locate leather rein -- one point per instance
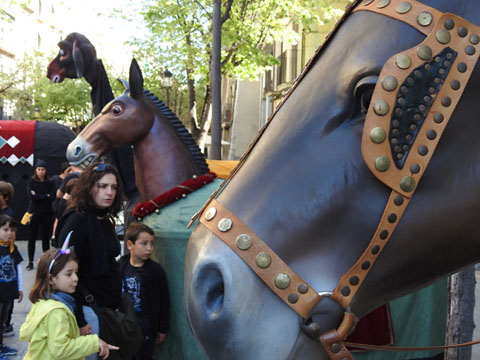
(397, 145)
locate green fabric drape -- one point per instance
(419, 319)
(171, 238)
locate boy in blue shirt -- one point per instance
(145, 282)
(10, 260)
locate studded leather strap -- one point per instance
(276, 274)
(353, 278)
(452, 47)
(418, 15)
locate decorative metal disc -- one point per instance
(263, 260)
(243, 241)
(225, 224)
(282, 281)
(210, 214)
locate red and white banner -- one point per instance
(17, 139)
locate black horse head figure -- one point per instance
(77, 58)
(75, 55)
(323, 174)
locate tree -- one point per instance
(35, 98)
(179, 38)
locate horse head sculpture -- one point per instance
(313, 226)
(75, 55)
(165, 154)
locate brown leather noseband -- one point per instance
(396, 146)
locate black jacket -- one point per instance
(41, 202)
(157, 292)
(96, 248)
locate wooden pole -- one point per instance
(460, 315)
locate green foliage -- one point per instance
(179, 36)
(36, 98)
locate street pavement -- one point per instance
(21, 309)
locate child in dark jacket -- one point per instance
(145, 282)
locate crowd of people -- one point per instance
(82, 285)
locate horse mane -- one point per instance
(181, 131)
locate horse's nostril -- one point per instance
(213, 293)
(78, 150)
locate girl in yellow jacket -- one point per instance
(50, 327)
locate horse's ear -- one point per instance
(136, 80)
(125, 83)
(78, 59)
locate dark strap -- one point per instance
(411, 348)
(90, 300)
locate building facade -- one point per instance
(252, 102)
(37, 26)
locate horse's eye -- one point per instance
(365, 98)
(363, 93)
(117, 109)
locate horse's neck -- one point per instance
(161, 161)
(101, 93)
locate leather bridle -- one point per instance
(398, 141)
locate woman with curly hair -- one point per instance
(96, 199)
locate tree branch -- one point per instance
(226, 15)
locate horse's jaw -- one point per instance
(80, 153)
(230, 312)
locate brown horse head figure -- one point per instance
(164, 153)
(75, 54)
(329, 178)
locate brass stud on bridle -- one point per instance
(462, 31)
(424, 18)
(282, 281)
(243, 241)
(381, 107)
(378, 135)
(225, 224)
(403, 7)
(407, 183)
(470, 50)
(424, 52)
(383, 3)
(403, 61)
(210, 214)
(443, 36)
(263, 260)
(382, 163)
(389, 83)
(449, 24)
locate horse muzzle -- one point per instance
(80, 153)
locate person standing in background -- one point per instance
(41, 192)
(6, 195)
(57, 182)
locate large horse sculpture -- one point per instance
(77, 58)
(168, 167)
(280, 257)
